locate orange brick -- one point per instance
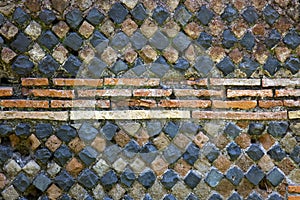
(287, 92)
(234, 82)
(132, 81)
(52, 93)
(80, 103)
(121, 103)
(6, 91)
(185, 103)
(152, 92)
(34, 81)
(240, 115)
(249, 93)
(234, 104)
(20, 103)
(281, 82)
(191, 92)
(269, 103)
(294, 198)
(294, 188)
(291, 103)
(78, 82)
(105, 93)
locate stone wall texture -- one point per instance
(153, 99)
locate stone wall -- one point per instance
(150, 99)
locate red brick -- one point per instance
(269, 103)
(80, 103)
(147, 103)
(132, 82)
(152, 92)
(281, 82)
(239, 115)
(249, 93)
(20, 103)
(34, 81)
(294, 198)
(105, 93)
(234, 82)
(78, 82)
(52, 93)
(294, 188)
(6, 91)
(234, 104)
(287, 92)
(185, 103)
(291, 103)
(191, 92)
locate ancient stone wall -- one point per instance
(150, 99)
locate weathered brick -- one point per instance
(281, 82)
(239, 115)
(198, 82)
(105, 93)
(287, 92)
(152, 92)
(6, 91)
(269, 103)
(294, 198)
(130, 114)
(294, 114)
(78, 82)
(234, 82)
(249, 93)
(34, 81)
(46, 115)
(291, 103)
(132, 82)
(234, 104)
(120, 103)
(185, 103)
(20, 103)
(80, 103)
(190, 92)
(294, 189)
(51, 93)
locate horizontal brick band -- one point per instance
(294, 198)
(69, 94)
(291, 103)
(47, 115)
(130, 114)
(105, 93)
(234, 104)
(294, 189)
(198, 93)
(249, 93)
(294, 114)
(20, 103)
(152, 93)
(80, 103)
(185, 103)
(132, 82)
(287, 93)
(78, 82)
(269, 103)
(281, 82)
(6, 91)
(234, 82)
(147, 103)
(34, 81)
(239, 115)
